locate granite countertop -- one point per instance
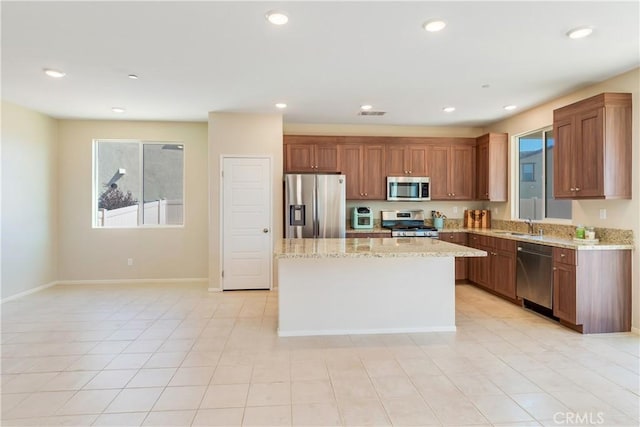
(375, 229)
(544, 240)
(372, 248)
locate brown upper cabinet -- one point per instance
(452, 171)
(363, 164)
(406, 159)
(592, 152)
(452, 164)
(311, 153)
(491, 176)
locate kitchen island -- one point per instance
(366, 285)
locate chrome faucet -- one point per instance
(529, 224)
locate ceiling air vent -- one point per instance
(372, 113)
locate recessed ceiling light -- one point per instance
(510, 107)
(485, 86)
(366, 107)
(277, 18)
(434, 25)
(56, 74)
(281, 105)
(133, 76)
(118, 109)
(580, 32)
(449, 109)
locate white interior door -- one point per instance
(246, 223)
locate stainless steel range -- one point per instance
(407, 224)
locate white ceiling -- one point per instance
(197, 57)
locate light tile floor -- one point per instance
(162, 355)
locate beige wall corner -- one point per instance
(29, 200)
(241, 134)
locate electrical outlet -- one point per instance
(603, 214)
(495, 211)
(129, 262)
(455, 209)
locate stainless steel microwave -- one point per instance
(408, 188)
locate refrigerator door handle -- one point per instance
(314, 207)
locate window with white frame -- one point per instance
(138, 183)
(535, 186)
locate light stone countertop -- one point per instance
(393, 247)
(543, 240)
(375, 229)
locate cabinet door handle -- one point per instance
(562, 255)
(555, 268)
(366, 194)
(410, 172)
(572, 189)
(577, 188)
(453, 194)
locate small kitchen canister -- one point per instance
(438, 223)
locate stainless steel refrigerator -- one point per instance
(315, 206)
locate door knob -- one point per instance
(265, 230)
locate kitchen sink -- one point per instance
(511, 233)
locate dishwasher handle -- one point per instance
(535, 249)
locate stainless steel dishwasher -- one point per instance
(534, 274)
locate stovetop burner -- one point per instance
(412, 227)
(407, 224)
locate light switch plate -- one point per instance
(603, 214)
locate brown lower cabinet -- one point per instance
(497, 271)
(461, 262)
(592, 289)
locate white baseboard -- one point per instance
(319, 332)
(214, 289)
(125, 281)
(635, 331)
(29, 292)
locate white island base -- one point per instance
(369, 295)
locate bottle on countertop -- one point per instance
(580, 232)
(590, 233)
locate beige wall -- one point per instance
(622, 214)
(380, 130)
(88, 253)
(249, 135)
(29, 200)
